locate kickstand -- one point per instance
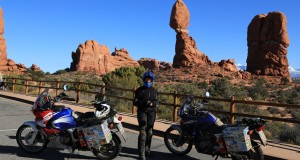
(217, 157)
(73, 149)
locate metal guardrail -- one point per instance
(232, 113)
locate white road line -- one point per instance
(8, 130)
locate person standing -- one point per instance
(146, 101)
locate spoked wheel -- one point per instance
(110, 150)
(255, 153)
(176, 142)
(26, 141)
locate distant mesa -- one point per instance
(267, 45)
(94, 58)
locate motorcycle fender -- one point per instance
(117, 132)
(259, 135)
(32, 124)
(176, 126)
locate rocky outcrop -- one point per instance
(228, 65)
(121, 58)
(187, 54)
(7, 65)
(34, 68)
(3, 54)
(154, 64)
(95, 58)
(267, 45)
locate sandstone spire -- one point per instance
(267, 45)
(187, 54)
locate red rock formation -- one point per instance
(228, 65)
(5, 63)
(267, 45)
(92, 57)
(3, 54)
(154, 64)
(187, 54)
(122, 58)
(35, 68)
(180, 16)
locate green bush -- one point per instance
(259, 91)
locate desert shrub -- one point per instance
(290, 134)
(222, 88)
(35, 75)
(62, 71)
(259, 90)
(274, 110)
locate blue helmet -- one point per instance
(150, 75)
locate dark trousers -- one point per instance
(146, 122)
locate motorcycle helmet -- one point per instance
(102, 109)
(150, 75)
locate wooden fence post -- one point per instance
(78, 92)
(133, 95)
(13, 85)
(175, 106)
(232, 109)
(57, 87)
(26, 87)
(40, 87)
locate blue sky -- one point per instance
(46, 32)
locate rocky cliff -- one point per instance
(94, 58)
(267, 45)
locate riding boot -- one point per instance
(148, 142)
(141, 145)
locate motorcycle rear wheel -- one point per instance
(176, 142)
(109, 151)
(24, 134)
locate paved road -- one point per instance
(13, 114)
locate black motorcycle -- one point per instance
(210, 136)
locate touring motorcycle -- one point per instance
(56, 126)
(210, 136)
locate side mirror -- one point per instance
(207, 94)
(66, 87)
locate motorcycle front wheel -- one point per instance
(176, 142)
(255, 153)
(110, 150)
(23, 137)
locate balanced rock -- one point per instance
(267, 45)
(35, 68)
(180, 16)
(187, 54)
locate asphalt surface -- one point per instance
(14, 113)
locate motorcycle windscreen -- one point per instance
(63, 119)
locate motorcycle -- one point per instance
(210, 136)
(55, 126)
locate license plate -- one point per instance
(121, 129)
(263, 137)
